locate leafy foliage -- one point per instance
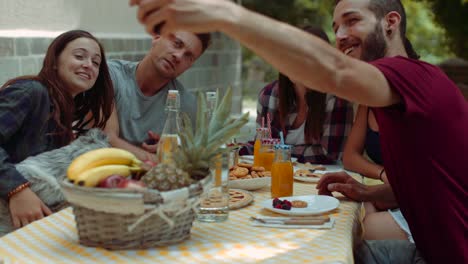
(434, 41)
(428, 38)
(453, 16)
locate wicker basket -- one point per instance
(133, 219)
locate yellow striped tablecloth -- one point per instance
(54, 240)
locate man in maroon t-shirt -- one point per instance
(422, 117)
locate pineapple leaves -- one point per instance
(221, 113)
(201, 146)
(201, 112)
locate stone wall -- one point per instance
(218, 68)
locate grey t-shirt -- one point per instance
(138, 113)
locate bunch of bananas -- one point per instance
(91, 167)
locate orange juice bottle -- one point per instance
(282, 172)
(266, 154)
(261, 134)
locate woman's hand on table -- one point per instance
(343, 183)
(26, 207)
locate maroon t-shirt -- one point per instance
(425, 151)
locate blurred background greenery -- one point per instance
(438, 30)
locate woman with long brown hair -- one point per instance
(316, 124)
(39, 113)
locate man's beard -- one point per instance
(374, 47)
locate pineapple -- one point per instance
(166, 177)
(199, 148)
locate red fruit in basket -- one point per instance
(150, 163)
(111, 181)
(131, 184)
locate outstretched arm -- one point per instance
(289, 49)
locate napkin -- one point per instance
(278, 224)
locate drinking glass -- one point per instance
(214, 203)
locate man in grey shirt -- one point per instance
(141, 90)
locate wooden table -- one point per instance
(54, 240)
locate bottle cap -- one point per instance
(270, 141)
(172, 93)
(283, 147)
(173, 101)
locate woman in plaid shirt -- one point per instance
(316, 124)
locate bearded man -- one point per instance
(421, 114)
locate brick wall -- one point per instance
(219, 67)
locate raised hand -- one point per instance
(26, 207)
(193, 15)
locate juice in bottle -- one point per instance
(168, 144)
(282, 172)
(267, 153)
(266, 157)
(261, 134)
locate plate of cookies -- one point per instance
(245, 176)
(301, 205)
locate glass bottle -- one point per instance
(214, 203)
(211, 103)
(169, 140)
(282, 174)
(266, 154)
(262, 133)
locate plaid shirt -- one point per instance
(337, 124)
(24, 111)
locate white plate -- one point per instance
(250, 158)
(249, 184)
(330, 168)
(316, 204)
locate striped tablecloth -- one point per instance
(54, 240)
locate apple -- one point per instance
(150, 163)
(131, 184)
(111, 181)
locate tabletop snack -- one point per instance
(239, 198)
(282, 204)
(247, 171)
(245, 176)
(299, 204)
(287, 205)
(154, 209)
(306, 173)
(310, 166)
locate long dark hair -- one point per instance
(72, 115)
(316, 101)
